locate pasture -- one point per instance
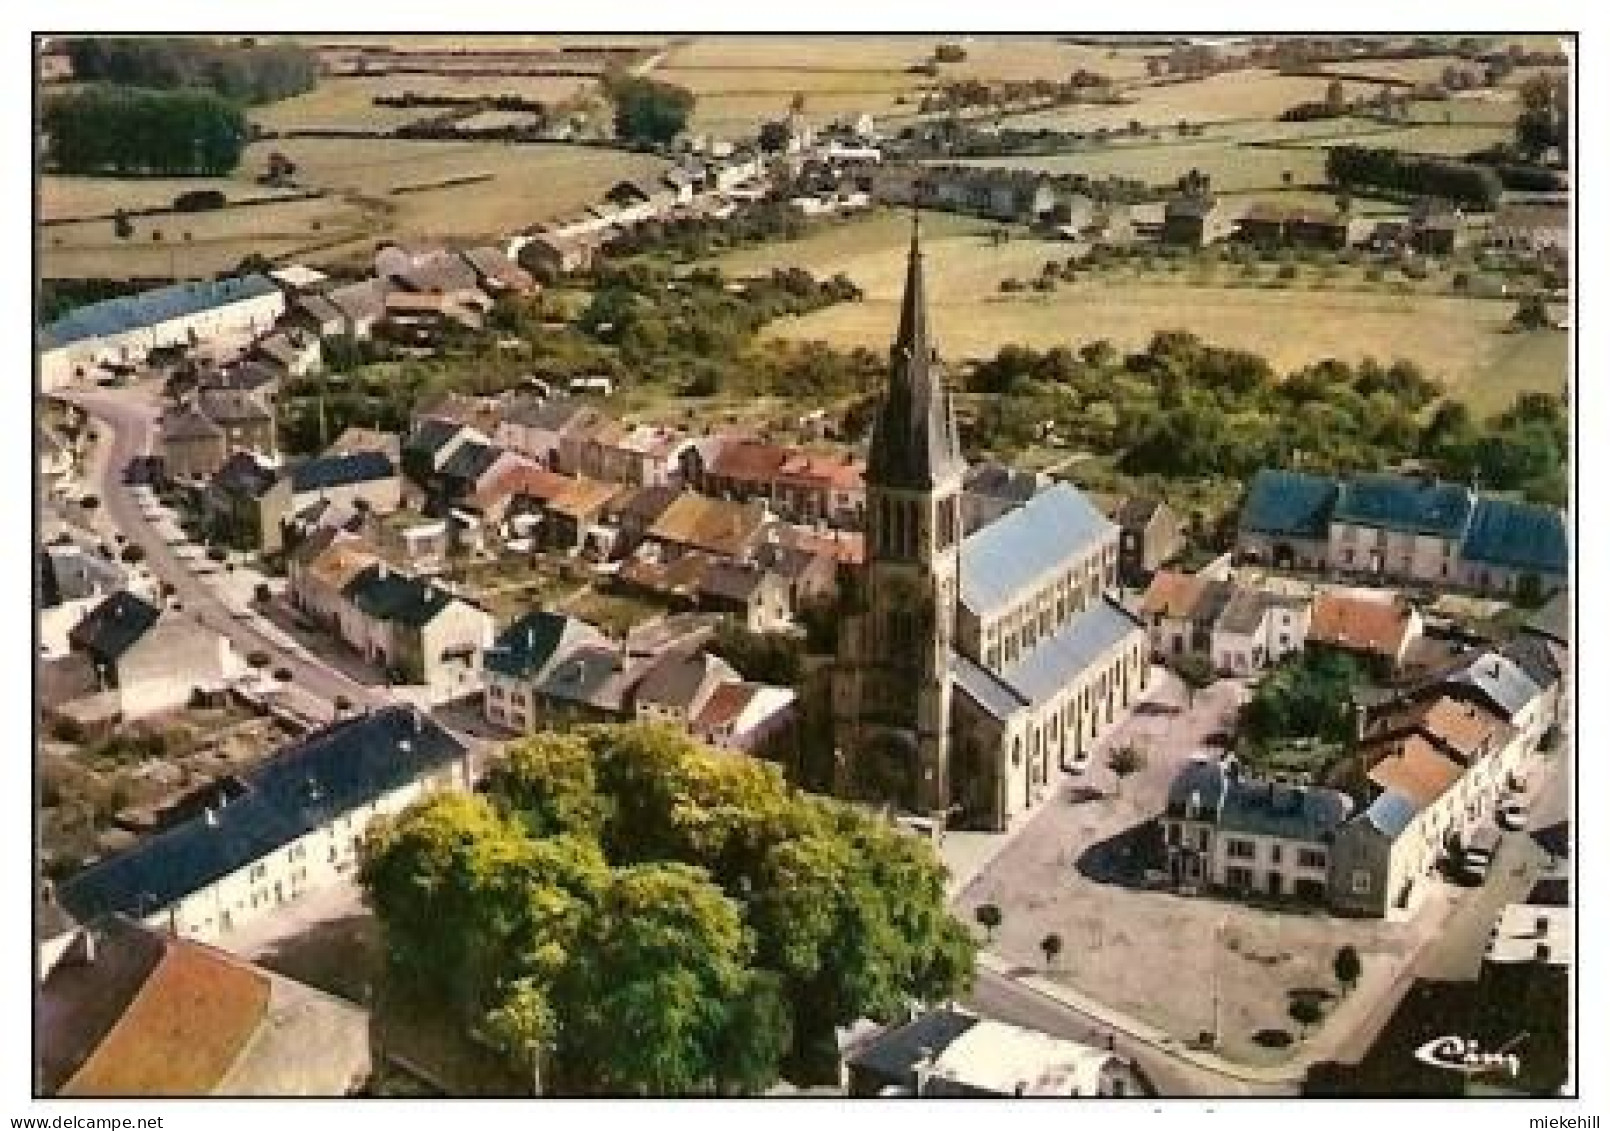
(1462, 341)
(345, 102)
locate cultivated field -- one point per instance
(1232, 166)
(1460, 340)
(530, 183)
(62, 198)
(741, 80)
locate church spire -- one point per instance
(914, 445)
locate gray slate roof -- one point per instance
(992, 695)
(1500, 680)
(1256, 807)
(68, 573)
(677, 680)
(112, 627)
(325, 472)
(1553, 620)
(245, 476)
(188, 424)
(892, 1055)
(1059, 658)
(1244, 612)
(301, 788)
(149, 308)
(1002, 561)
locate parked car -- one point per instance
(1513, 815)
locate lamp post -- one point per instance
(1218, 942)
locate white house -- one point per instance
(1257, 630)
(291, 825)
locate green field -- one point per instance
(1233, 167)
(1459, 340)
(342, 102)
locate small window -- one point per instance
(1361, 882)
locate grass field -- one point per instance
(62, 198)
(530, 183)
(1457, 339)
(742, 79)
(1233, 167)
(344, 102)
(1435, 138)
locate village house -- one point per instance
(1226, 831)
(946, 1053)
(193, 447)
(675, 691)
(291, 825)
(749, 718)
(415, 630)
(535, 428)
(1272, 226)
(316, 314)
(426, 318)
(292, 352)
(1531, 228)
(133, 1012)
(561, 253)
(496, 273)
(247, 422)
(715, 526)
(1150, 536)
(1180, 611)
(245, 505)
(1401, 528)
(1375, 627)
(362, 306)
(799, 485)
(71, 581)
(146, 663)
(1256, 630)
(1196, 221)
(123, 331)
(522, 656)
(754, 595)
(320, 569)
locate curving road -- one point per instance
(131, 422)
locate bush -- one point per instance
(1287, 271)
(217, 554)
(133, 553)
(199, 200)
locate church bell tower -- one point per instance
(892, 685)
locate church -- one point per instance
(974, 665)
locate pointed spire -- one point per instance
(914, 441)
(912, 337)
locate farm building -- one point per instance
(124, 330)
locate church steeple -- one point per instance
(914, 442)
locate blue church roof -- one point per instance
(1397, 502)
(1291, 503)
(1521, 536)
(985, 688)
(1001, 562)
(1391, 813)
(149, 308)
(1060, 658)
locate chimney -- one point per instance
(210, 815)
(923, 1069)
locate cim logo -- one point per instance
(1466, 1056)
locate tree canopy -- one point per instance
(98, 129)
(623, 879)
(648, 110)
(245, 72)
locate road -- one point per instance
(131, 423)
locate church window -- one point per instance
(1017, 752)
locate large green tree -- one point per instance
(119, 129)
(648, 110)
(625, 879)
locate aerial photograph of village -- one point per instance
(823, 565)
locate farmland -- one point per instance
(348, 102)
(529, 183)
(1460, 340)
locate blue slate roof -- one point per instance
(532, 642)
(1239, 804)
(983, 687)
(1262, 808)
(325, 472)
(299, 789)
(1397, 502)
(1288, 503)
(431, 434)
(132, 312)
(470, 460)
(1521, 536)
(892, 1055)
(1391, 813)
(1057, 660)
(113, 626)
(388, 595)
(590, 675)
(1001, 562)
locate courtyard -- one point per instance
(1183, 964)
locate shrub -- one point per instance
(199, 200)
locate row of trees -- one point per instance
(1389, 170)
(114, 129)
(639, 916)
(245, 71)
(1183, 409)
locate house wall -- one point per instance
(1239, 653)
(153, 676)
(1366, 871)
(197, 458)
(382, 495)
(459, 626)
(1305, 553)
(311, 862)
